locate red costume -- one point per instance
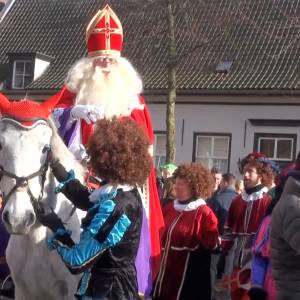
(104, 37)
(245, 215)
(191, 232)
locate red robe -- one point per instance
(191, 232)
(142, 117)
(245, 215)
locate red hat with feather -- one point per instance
(26, 111)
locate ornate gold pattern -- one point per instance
(107, 13)
(104, 53)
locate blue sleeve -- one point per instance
(259, 269)
(81, 256)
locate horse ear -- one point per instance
(50, 103)
(4, 102)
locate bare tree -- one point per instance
(174, 31)
(170, 111)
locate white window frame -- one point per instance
(212, 157)
(155, 154)
(275, 146)
(24, 61)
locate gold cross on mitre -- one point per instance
(106, 23)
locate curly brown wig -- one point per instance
(251, 156)
(119, 152)
(265, 171)
(198, 178)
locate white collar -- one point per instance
(94, 196)
(254, 196)
(189, 206)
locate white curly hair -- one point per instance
(116, 92)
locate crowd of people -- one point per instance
(184, 233)
(256, 256)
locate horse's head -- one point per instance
(25, 137)
(23, 166)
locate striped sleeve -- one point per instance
(105, 231)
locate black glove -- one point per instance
(51, 220)
(59, 171)
(257, 293)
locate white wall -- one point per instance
(223, 119)
(40, 67)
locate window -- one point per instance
(22, 73)
(160, 149)
(278, 147)
(224, 66)
(212, 150)
(25, 67)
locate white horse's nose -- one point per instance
(18, 225)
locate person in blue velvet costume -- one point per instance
(109, 241)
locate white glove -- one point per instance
(82, 153)
(89, 113)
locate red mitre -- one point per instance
(104, 34)
(27, 112)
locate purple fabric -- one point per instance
(261, 265)
(4, 271)
(259, 270)
(67, 134)
(143, 262)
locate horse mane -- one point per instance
(60, 152)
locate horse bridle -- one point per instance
(22, 182)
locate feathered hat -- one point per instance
(260, 157)
(104, 34)
(27, 112)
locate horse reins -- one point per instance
(22, 182)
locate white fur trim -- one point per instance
(188, 207)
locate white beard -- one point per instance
(115, 92)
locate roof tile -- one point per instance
(260, 36)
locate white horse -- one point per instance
(27, 184)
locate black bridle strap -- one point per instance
(23, 182)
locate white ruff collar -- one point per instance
(254, 196)
(189, 206)
(94, 196)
